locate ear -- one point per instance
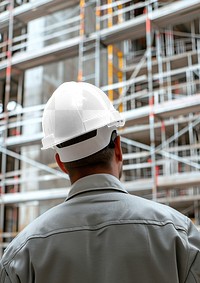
(118, 149)
(60, 163)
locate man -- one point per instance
(100, 234)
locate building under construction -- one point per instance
(144, 54)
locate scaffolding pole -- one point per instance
(110, 51)
(151, 102)
(97, 45)
(7, 97)
(81, 33)
(89, 48)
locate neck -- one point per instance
(83, 172)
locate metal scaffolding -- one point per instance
(144, 54)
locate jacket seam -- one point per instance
(94, 228)
(72, 194)
(190, 271)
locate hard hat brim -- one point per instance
(87, 147)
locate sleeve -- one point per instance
(193, 274)
(4, 278)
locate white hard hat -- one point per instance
(73, 110)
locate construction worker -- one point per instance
(100, 234)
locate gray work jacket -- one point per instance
(102, 234)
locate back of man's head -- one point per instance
(80, 123)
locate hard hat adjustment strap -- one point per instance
(78, 139)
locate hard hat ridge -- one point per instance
(73, 110)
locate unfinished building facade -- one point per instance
(144, 54)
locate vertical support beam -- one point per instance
(169, 52)
(110, 71)
(193, 35)
(126, 52)
(7, 97)
(175, 168)
(97, 45)
(9, 61)
(120, 76)
(120, 16)
(169, 41)
(197, 212)
(19, 97)
(15, 227)
(81, 33)
(189, 77)
(160, 66)
(156, 5)
(163, 138)
(151, 102)
(110, 52)
(138, 161)
(169, 83)
(120, 62)
(191, 138)
(109, 11)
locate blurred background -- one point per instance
(144, 54)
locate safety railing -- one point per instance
(70, 27)
(51, 34)
(113, 11)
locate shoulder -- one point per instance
(39, 228)
(155, 213)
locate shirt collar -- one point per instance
(96, 182)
